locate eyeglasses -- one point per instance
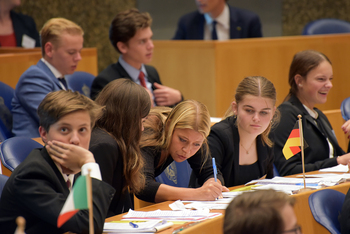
(296, 230)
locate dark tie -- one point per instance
(214, 35)
(68, 183)
(142, 79)
(64, 82)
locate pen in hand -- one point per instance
(215, 170)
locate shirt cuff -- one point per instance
(94, 170)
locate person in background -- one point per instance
(16, 29)
(38, 188)
(263, 212)
(216, 20)
(131, 35)
(62, 41)
(240, 143)
(310, 79)
(116, 137)
(176, 135)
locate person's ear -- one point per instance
(234, 107)
(43, 134)
(122, 47)
(48, 49)
(298, 79)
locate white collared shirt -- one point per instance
(54, 71)
(314, 115)
(222, 26)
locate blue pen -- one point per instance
(133, 225)
(307, 184)
(215, 170)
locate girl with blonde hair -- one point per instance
(176, 135)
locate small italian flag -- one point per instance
(77, 200)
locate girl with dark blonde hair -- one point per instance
(116, 137)
(240, 143)
(176, 135)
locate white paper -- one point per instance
(338, 168)
(27, 41)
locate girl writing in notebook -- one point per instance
(176, 135)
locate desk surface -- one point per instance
(301, 208)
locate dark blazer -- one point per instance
(37, 191)
(24, 24)
(223, 143)
(243, 24)
(33, 86)
(107, 154)
(203, 171)
(317, 152)
(116, 71)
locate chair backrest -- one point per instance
(80, 81)
(3, 180)
(326, 26)
(176, 174)
(6, 95)
(345, 109)
(275, 171)
(325, 206)
(14, 150)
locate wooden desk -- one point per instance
(209, 71)
(301, 209)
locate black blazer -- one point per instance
(24, 24)
(243, 24)
(37, 191)
(317, 152)
(116, 71)
(224, 147)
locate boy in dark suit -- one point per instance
(216, 20)
(38, 188)
(131, 35)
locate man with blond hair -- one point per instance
(61, 43)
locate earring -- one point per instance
(300, 85)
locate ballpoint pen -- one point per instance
(133, 225)
(215, 170)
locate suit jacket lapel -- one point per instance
(234, 24)
(122, 71)
(47, 70)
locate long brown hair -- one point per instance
(161, 123)
(126, 104)
(303, 62)
(257, 86)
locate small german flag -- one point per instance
(292, 145)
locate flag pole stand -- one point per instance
(301, 134)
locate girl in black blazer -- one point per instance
(240, 143)
(310, 79)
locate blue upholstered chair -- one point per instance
(3, 180)
(275, 171)
(80, 81)
(326, 26)
(6, 95)
(14, 150)
(176, 174)
(345, 109)
(325, 206)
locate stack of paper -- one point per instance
(139, 227)
(180, 215)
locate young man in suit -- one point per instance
(216, 20)
(131, 35)
(38, 188)
(62, 41)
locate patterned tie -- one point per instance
(214, 35)
(142, 79)
(64, 82)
